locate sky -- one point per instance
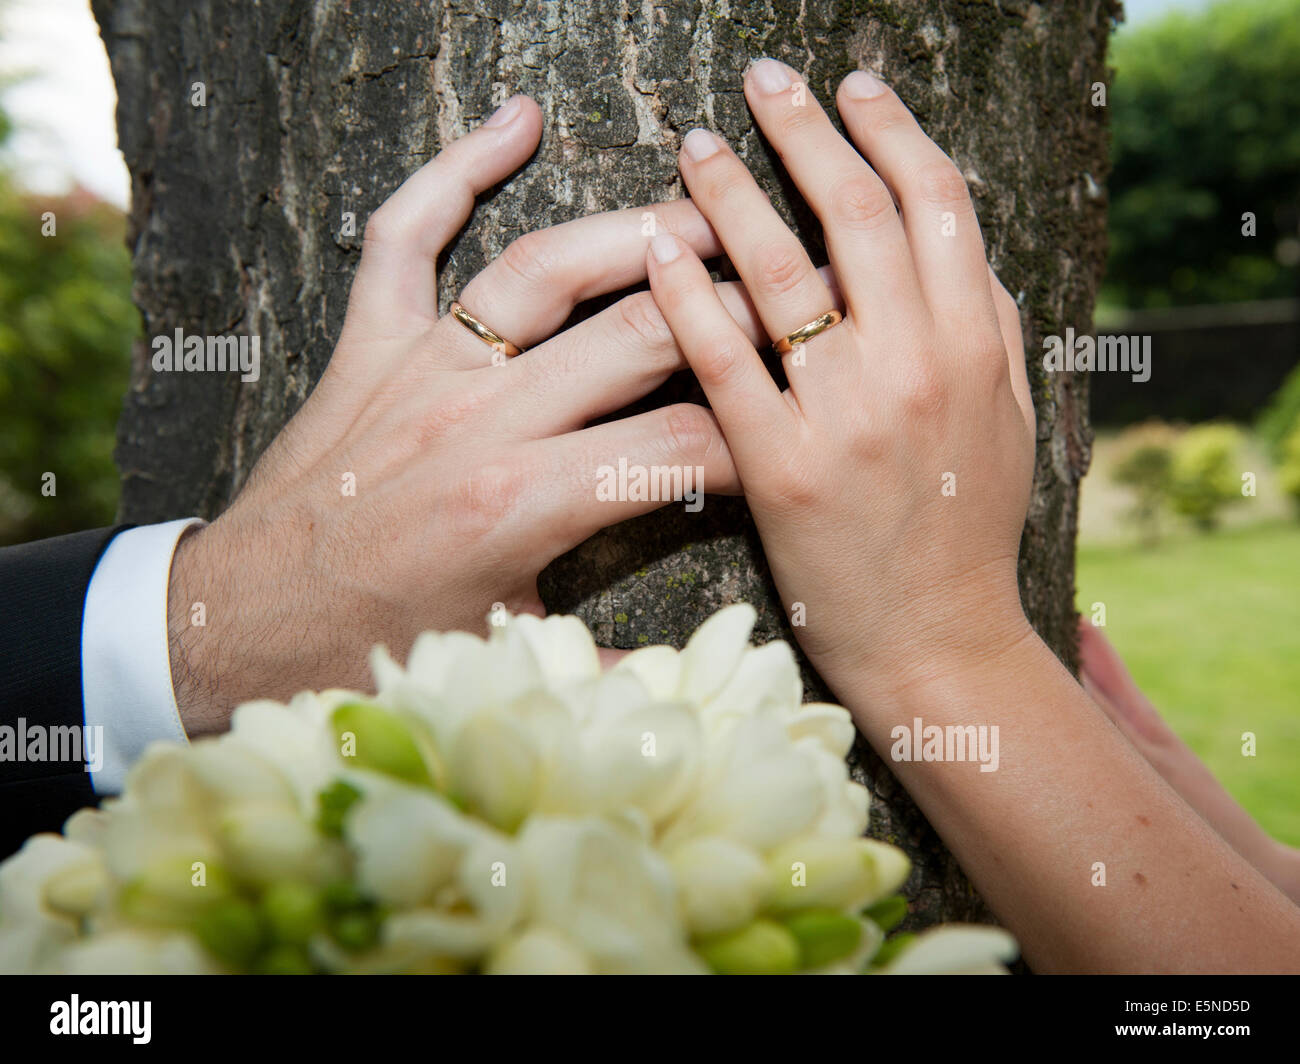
(63, 113)
(66, 132)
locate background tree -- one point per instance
(315, 111)
(1206, 129)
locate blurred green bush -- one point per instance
(1289, 471)
(1205, 475)
(1279, 427)
(66, 329)
(1282, 415)
(1205, 120)
(1194, 472)
(1144, 463)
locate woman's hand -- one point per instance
(890, 481)
(428, 477)
(890, 485)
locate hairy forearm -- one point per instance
(1069, 796)
(260, 637)
(191, 645)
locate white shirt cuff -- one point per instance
(126, 675)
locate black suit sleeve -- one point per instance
(42, 597)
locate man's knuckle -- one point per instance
(531, 260)
(379, 228)
(689, 430)
(729, 187)
(993, 366)
(797, 119)
(640, 316)
(448, 413)
(485, 496)
(867, 441)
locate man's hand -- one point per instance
(427, 477)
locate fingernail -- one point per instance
(664, 248)
(862, 86)
(700, 144)
(770, 76)
(505, 114)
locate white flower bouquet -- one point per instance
(499, 806)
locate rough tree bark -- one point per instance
(316, 109)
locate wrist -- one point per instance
(192, 675)
(926, 639)
(948, 677)
(238, 619)
(220, 656)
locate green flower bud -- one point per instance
(887, 913)
(376, 739)
(293, 912)
(831, 873)
(762, 948)
(172, 891)
(357, 930)
(824, 935)
(344, 895)
(285, 960)
(892, 948)
(333, 804)
(231, 931)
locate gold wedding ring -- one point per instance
(802, 335)
(485, 334)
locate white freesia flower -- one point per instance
(721, 884)
(956, 949)
(409, 844)
(498, 805)
(757, 788)
(608, 893)
(32, 931)
(125, 952)
(538, 951)
(473, 911)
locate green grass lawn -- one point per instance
(1210, 628)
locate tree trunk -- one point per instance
(317, 109)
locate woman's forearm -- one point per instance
(1083, 851)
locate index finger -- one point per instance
(742, 393)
